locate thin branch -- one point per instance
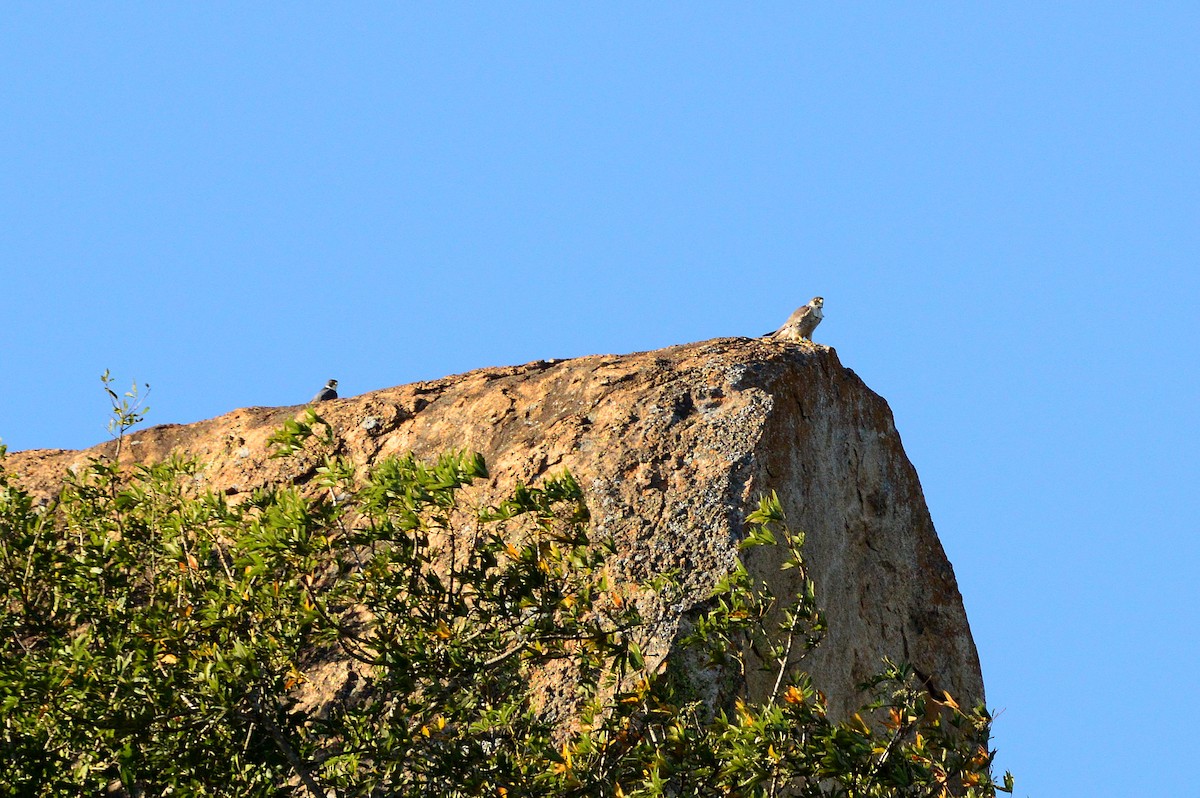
(286, 748)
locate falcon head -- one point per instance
(331, 385)
(817, 301)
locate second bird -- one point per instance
(326, 393)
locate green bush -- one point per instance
(157, 640)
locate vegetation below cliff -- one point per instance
(157, 639)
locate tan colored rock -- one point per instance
(671, 447)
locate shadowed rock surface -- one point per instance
(672, 447)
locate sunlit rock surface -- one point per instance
(672, 448)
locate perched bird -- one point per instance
(326, 393)
(800, 325)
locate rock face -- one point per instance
(672, 447)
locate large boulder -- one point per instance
(672, 447)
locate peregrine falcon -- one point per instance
(326, 393)
(800, 325)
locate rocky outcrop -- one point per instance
(671, 447)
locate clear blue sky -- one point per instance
(235, 202)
